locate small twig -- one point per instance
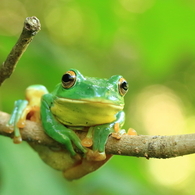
(30, 29)
(139, 146)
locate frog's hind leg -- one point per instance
(83, 168)
(16, 115)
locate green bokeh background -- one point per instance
(151, 43)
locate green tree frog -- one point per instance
(77, 104)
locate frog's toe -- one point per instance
(131, 131)
(80, 147)
(10, 125)
(17, 139)
(119, 134)
(69, 147)
(95, 155)
(83, 149)
(100, 156)
(21, 123)
(116, 127)
(17, 136)
(9, 129)
(71, 150)
(87, 142)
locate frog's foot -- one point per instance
(95, 155)
(131, 131)
(21, 123)
(17, 140)
(118, 133)
(68, 138)
(82, 168)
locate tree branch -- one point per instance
(140, 146)
(30, 29)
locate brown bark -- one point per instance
(140, 146)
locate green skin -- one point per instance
(91, 102)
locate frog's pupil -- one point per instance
(67, 78)
(124, 85)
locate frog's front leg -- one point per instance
(57, 130)
(26, 109)
(100, 136)
(14, 122)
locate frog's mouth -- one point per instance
(93, 102)
(85, 112)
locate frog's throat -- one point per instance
(84, 112)
(92, 101)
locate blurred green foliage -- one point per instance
(151, 43)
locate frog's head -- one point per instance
(93, 100)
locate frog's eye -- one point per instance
(123, 86)
(68, 79)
